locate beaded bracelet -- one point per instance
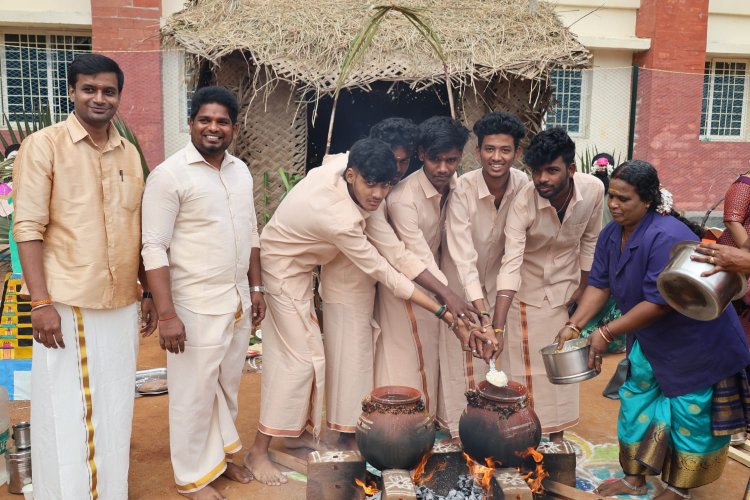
(484, 313)
(439, 313)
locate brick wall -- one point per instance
(128, 32)
(669, 105)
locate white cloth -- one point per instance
(204, 382)
(201, 222)
(82, 405)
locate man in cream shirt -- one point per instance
(200, 248)
(550, 235)
(475, 240)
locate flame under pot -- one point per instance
(498, 423)
(394, 431)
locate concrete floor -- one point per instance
(151, 473)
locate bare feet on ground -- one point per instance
(306, 440)
(260, 466)
(238, 473)
(207, 493)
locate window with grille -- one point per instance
(568, 108)
(35, 72)
(723, 108)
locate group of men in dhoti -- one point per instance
(489, 258)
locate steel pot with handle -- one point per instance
(699, 297)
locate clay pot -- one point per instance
(497, 423)
(394, 431)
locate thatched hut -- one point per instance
(283, 58)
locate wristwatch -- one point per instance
(257, 288)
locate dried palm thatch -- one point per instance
(304, 42)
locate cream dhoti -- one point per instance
(204, 383)
(526, 332)
(350, 331)
(82, 405)
(407, 350)
(293, 367)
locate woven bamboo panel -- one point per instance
(527, 99)
(272, 133)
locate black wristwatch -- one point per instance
(147, 295)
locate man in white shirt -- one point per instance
(202, 252)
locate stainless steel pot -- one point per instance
(699, 297)
(569, 365)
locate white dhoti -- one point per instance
(407, 351)
(529, 329)
(204, 383)
(82, 405)
(350, 331)
(293, 368)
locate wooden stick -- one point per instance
(559, 490)
(739, 456)
(288, 460)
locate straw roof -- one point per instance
(304, 42)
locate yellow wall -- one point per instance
(47, 14)
(728, 28)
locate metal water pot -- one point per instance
(699, 297)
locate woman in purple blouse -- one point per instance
(669, 421)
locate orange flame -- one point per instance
(535, 477)
(369, 489)
(419, 476)
(482, 474)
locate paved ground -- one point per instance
(151, 474)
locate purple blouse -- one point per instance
(686, 354)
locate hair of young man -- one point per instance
(548, 145)
(11, 148)
(217, 95)
(91, 64)
(396, 132)
(373, 160)
(498, 122)
(439, 134)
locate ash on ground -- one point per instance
(466, 489)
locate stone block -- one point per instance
(397, 485)
(331, 475)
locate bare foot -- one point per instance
(207, 493)
(623, 486)
(237, 473)
(346, 441)
(260, 466)
(306, 440)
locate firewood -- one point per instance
(559, 490)
(288, 460)
(740, 456)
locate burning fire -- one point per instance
(535, 477)
(419, 476)
(369, 489)
(482, 474)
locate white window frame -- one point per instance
(3, 65)
(583, 119)
(744, 135)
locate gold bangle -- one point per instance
(498, 330)
(35, 303)
(505, 295)
(601, 332)
(609, 332)
(573, 327)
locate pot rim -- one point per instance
(409, 395)
(523, 392)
